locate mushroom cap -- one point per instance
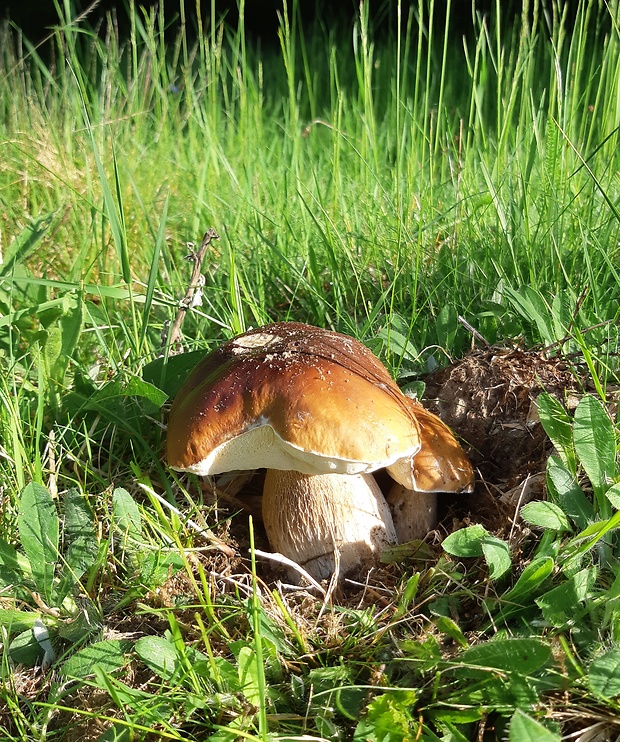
(290, 396)
(440, 465)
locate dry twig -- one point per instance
(196, 283)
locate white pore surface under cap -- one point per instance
(261, 447)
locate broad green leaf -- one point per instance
(558, 426)
(84, 619)
(452, 629)
(62, 338)
(18, 314)
(154, 707)
(81, 546)
(38, 526)
(248, 675)
(81, 555)
(387, 719)
(137, 387)
(466, 542)
(562, 313)
(613, 495)
(128, 522)
(107, 655)
(12, 559)
(79, 516)
(530, 580)
(398, 344)
(160, 656)
(15, 621)
(168, 374)
(134, 387)
(126, 514)
(497, 556)
(561, 604)
(117, 733)
(453, 716)
(545, 515)
(12, 583)
(349, 701)
(24, 649)
(157, 566)
(595, 443)
(426, 655)
(325, 679)
(219, 671)
(604, 674)
(521, 656)
(172, 663)
(525, 729)
(563, 487)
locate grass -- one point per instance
(380, 185)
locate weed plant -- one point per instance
(385, 186)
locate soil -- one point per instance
(488, 398)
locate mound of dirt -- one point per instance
(488, 398)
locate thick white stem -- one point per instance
(414, 513)
(310, 518)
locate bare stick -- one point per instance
(196, 283)
(281, 559)
(566, 338)
(474, 332)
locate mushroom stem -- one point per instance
(414, 513)
(309, 518)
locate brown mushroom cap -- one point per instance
(440, 465)
(290, 396)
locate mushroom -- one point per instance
(320, 412)
(440, 465)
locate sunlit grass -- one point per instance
(401, 177)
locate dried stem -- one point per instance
(281, 559)
(196, 283)
(476, 335)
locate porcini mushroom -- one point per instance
(440, 465)
(320, 412)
